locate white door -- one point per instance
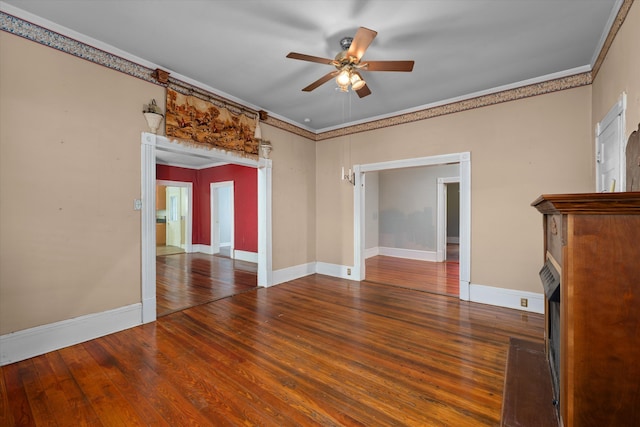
(610, 147)
(222, 214)
(174, 217)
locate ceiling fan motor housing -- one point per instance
(345, 43)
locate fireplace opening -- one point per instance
(551, 283)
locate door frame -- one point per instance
(188, 247)
(149, 143)
(618, 110)
(464, 160)
(441, 216)
(215, 213)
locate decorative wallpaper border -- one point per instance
(65, 44)
(615, 27)
(38, 34)
(549, 86)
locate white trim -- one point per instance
(335, 270)
(148, 227)
(245, 256)
(441, 216)
(500, 297)
(213, 164)
(465, 225)
(413, 162)
(189, 226)
(39, 340)
(291, 273)
(508, 298)
(203, 249)
(371, 252)
(407, 253)
(605, 32)
(359, 221)
(265, 266)
(464, 160)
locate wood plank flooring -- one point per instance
(169, 250)
(436, 277)
(186, 280)
(314, 351)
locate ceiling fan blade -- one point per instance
(310, 58)
(322, 80)
(361, 42)
(388, 65)
(363, 91)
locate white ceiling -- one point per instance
(237, 48)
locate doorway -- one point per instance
(174, 217)
(222, 218)
(464, 161)
(150, 144)
(448, 219)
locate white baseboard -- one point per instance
(508, 298)
(237, 254)
(297, 271)
(335, 270)
(408, 253)
(32, 342)
(501, 297)
(245, 256)
(292, 273)
(371, 252)
(203, 249)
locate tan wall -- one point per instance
(519, 150)
(334, 202)
(620, 72)
(69, 173)
(70, 170)
(294, 202)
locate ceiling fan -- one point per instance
(349, 63)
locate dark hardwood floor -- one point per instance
(436, 277)
(189, 279)
(314, 351)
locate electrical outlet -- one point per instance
(348, 272)
(524, 302)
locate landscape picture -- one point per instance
(195, 119)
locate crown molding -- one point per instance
(34, 28)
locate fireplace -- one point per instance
(551, 283)
(591, 240)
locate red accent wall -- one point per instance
(245, 195)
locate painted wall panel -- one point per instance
(69, 175)
(245, 196)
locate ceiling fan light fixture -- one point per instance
(349, 61)
(356, 82)
(343, 78)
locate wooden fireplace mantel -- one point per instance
(594, 241)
